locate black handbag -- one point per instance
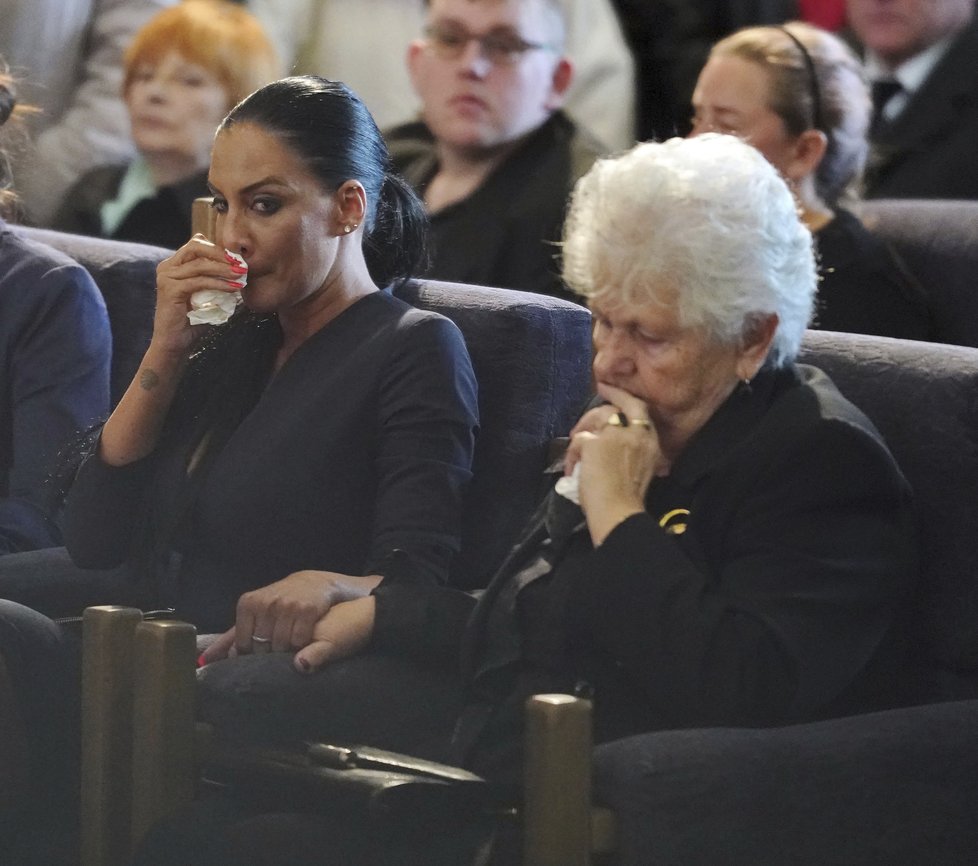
(361, 782)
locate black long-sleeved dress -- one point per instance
(351, 458)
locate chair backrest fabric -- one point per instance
(923, 398)
(126, 275)
(532, 359)
(937, 241)
(531, 355)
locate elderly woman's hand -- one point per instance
(617, 462)
(284, 615)
(344, 631)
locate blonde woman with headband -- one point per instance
(798, 95)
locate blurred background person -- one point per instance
(670, 40)
(68, 55)
(363, 42)
(494, 157)
(797, 94)
(922, 59)
(184, 70)
(54, 362)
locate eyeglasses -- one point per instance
(499, 48)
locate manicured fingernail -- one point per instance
(236, 284)
(201, 661)
(237, 269)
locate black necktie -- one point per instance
(881, 92)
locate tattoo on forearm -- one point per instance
(148, 379)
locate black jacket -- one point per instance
(797, 551)
(928, 150)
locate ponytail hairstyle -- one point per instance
(331, 130)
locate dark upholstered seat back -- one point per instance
(938, 243)
(126, 275)
(531, 356)
(532, 359)
(923, 397)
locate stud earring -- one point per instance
(349, 227)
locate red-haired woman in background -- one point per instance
(184, 71)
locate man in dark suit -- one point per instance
(922, 60)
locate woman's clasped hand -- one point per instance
(291, 614)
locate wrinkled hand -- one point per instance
(287, 612)
(617, 463)
(343, 632)
(196, 266)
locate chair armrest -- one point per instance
(163, 738)
(106, 728)
(138, 739)
(560, 826)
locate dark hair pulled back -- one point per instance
(332, 131)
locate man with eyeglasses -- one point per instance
(493, 156)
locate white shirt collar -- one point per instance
(913, 72)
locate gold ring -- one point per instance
(640, 422)
(618, 419)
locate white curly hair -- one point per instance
(708, 216)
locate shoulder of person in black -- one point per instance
(864, 287)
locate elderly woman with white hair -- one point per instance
(730, 541)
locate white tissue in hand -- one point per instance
(568, 485)
(213, 307)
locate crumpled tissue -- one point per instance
(568, 486)
(212, 307)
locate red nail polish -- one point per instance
(201, 661)
(235, 284)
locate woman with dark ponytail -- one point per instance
(318, 442)
(266, 469)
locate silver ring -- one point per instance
(640, 422)
(256, 639)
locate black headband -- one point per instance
(818, 119)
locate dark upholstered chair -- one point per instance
(886, 787)
(937, 241)
(531, 356)
(126, 275)
(532, 361)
